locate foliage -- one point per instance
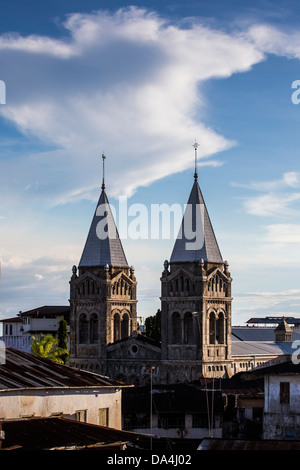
(62, 335)
(153, 326)
(46, 346)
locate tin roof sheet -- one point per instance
(53, 432)
(260, 348)
(24, 370)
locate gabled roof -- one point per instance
(189, 247)
(23, 370)
(103, 245)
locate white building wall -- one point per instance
(22, 343)
(47, 402)
(272, 393)
(281, 421)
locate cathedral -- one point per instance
(196, 339)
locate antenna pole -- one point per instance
(103, 178)
(195, 145)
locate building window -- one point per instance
(188, 328)
(125, 326)
(199, 420)
(212, 328)
(103, 416)
(220, 327)
(171, 421)
(117, 327)
(94, 328)
(83, 329)
(134, 422)
(176, 328)
(284, 393)
(80, 415)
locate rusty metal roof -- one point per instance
(24, 370)
(55, 433)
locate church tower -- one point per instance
(195, 299)
(102, 293)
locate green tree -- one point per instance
(153, 326)
(46, 346)
(62, 335)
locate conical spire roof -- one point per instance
(196, 240)
(103, 245)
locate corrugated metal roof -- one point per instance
(53, 432)
(103, 248)
(254, 333)
(24, 370)
(196, 219)
(276, 369)
(260, 348)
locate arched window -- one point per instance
(220, 328)
(188, 328)
(176, 328)
(125, 326)
(83, 329)
(117, 327)
(94, 328)
(212, 328)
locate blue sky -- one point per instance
(141, 82)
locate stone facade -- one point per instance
(103, 311)
(195, 308)
(196, 320)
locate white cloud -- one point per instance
(290, 179)
(271, 40)
(128, 83)
(272, 204)
(278, 199)
(266, 303)
(283, 233)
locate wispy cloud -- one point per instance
(278, 198)
(128, 83)
(290, 179)
(283, 234)
(272, 205)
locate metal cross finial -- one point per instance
(103, 179)
(196, 145)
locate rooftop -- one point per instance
(273, 320)
(23, 370)
(59, 433)
(260, 348)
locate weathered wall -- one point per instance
(282, 421)
(17, 404)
